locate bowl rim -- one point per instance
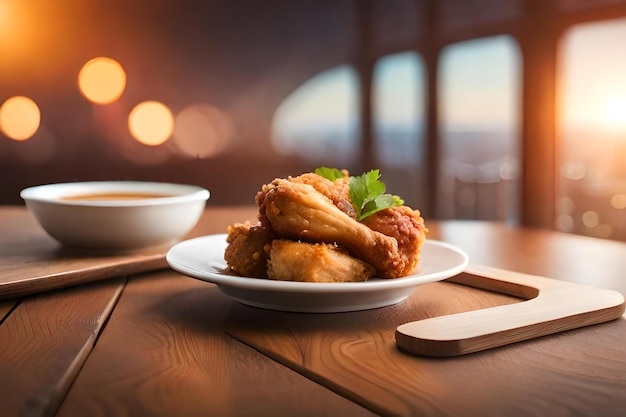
(52, 193)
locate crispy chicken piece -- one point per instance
(406, 226)
(319, 262)
(297, 211)
(337, 191)
(246, 251)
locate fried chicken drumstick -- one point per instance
(298, 211)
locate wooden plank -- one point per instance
(45, 340)
(552, 306)
(33, 262)
(347, 351)
(356, 355)
(164, 353)
(5, 308)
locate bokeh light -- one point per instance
(590, 219)
(202, 131)
(565, 223)
(111, 123)
(19, 118)
(618, 201)
(574, 171)
(151, 123)
(102, 80)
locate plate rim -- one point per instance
(263, 284)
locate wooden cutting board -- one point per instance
(31, 261)
(550, 306)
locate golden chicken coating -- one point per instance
(305, 262)
(297, 211)
(406, 226)
(246, 254)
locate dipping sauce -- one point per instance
(113, 196)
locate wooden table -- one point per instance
(158, 343)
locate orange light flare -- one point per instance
(4, 15)
(19, 118)
(13, 26)
(102, 80)
(34, 35)
(151, 123)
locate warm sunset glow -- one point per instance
(19, 118)
(202, 131)
(615, 112)
(4, 13)
(591, 128)
(593, 91)
(102, 80)
(11, 23)
(151, 123)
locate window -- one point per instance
(398, 113)
(319, 121)
(479, 118)
(592, 130)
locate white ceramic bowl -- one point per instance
(127, 215)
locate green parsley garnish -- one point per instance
(367, 191)
(329, 173)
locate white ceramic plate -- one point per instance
(203, 258)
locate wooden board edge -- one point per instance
(52, 282)
(436, 336)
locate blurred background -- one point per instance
(506, 110)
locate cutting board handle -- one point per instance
(550, 306)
